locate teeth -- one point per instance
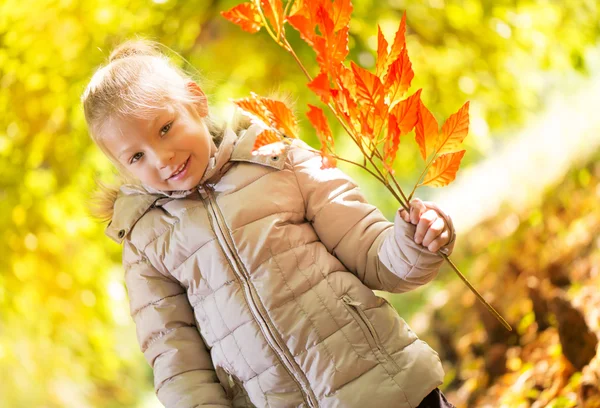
(178, 170)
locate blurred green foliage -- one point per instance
(66, 339)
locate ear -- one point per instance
(202, 104)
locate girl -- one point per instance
(250, 277)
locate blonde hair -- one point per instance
(137, 80)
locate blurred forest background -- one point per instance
(525, 201)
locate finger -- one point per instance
(436, 228)
(417, 208)
(423, 225)
(440, 241)
(404, 214)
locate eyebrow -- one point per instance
(152, 126)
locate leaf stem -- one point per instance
(418, 183)
(487, 305)
(287, 9)
(266, 23)
(351, 162)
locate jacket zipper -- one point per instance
(257, 308)
(369, 331)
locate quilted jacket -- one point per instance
(255, 289)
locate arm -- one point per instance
(383, 255)
(184, 376)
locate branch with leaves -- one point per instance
(371, 107)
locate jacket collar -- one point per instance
(133, 200)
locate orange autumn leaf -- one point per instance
(319, 121)
(342, 10)
(382, 53)
(391, 143)
(398, 80)
(346, 105)
(254, 108)
(303, 25)
(454, 131)
(265, 138)
(269, 113)
(332, 50)
(320, 86)
(281, 117)
(399, 42)
(406, 112)
(384, 58)
(246, 16)
(273, 11)
(369, 90)
(426, 131)
(443, 169)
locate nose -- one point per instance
(164, 157)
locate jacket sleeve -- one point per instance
(380, 253)
(184, 376)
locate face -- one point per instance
(169, 152)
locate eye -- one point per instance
(136, 157)
(166, 128)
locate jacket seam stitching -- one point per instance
(352, 227)
(232, 335)
(403, 278)
(170, 226)
(330, 199)
(284, 251)
(298, 182)
(314, 262)
(295, 299)
(154, 302)
(266, 216)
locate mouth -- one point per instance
(181, 171)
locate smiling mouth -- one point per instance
(180, 170)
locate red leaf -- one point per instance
(454, 131)
(244, 15)
(406, 112)
(399, 78)
(426, 131)
(443, 169)
(320, 86)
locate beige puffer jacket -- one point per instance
(255, 288)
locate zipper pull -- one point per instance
(349, 301)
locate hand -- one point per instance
(434, 230)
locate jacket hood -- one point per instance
(134, 199)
